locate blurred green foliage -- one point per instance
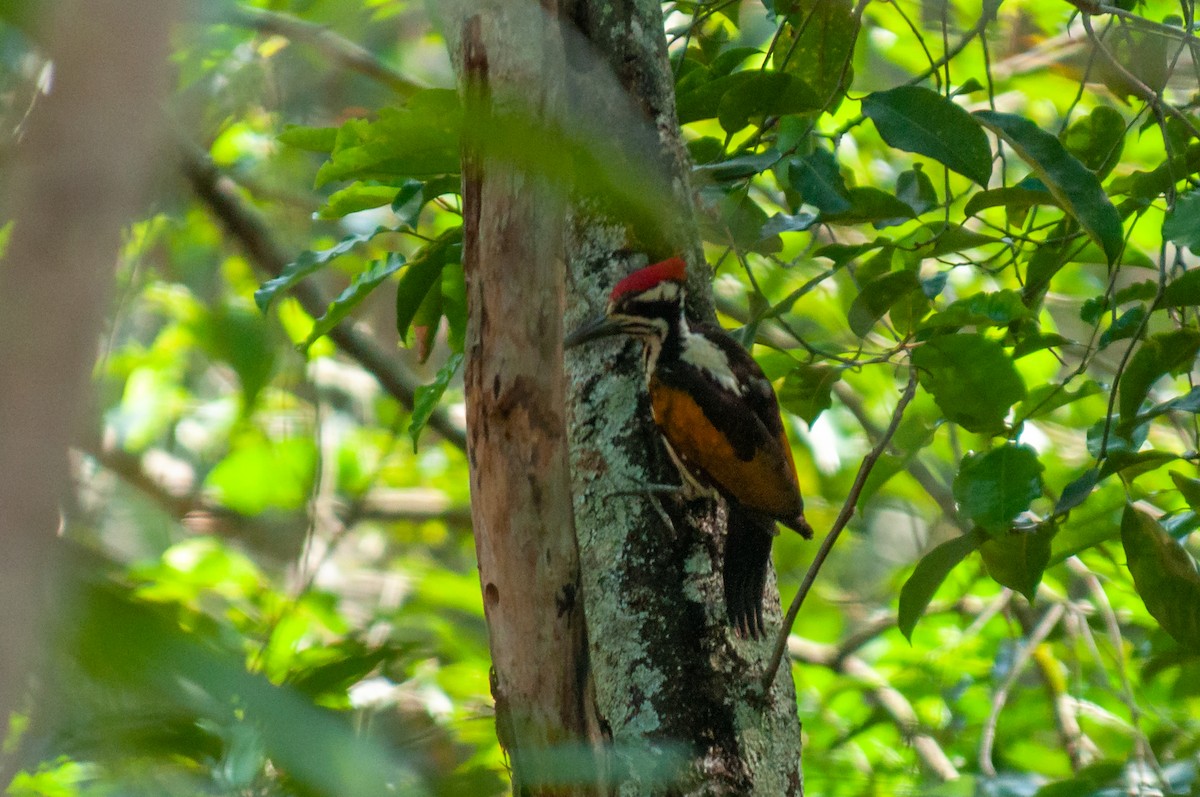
(274, 593)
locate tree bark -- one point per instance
(667, 668)
(516, 423)
(676, 694)
(76, 181)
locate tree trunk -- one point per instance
(516, 424)
(667, 668)
(76, 181)
(675, 692)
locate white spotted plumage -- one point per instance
(701, 353)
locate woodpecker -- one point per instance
(719, 419)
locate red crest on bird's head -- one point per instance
(671, 270)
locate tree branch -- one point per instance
(264, 252)
(1036, 637)
(336, 48)
(887, 697)
(848, 508)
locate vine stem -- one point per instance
(848, 508)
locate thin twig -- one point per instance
(843, 518)
(886, 696)
(1038, 635)
(1145, 93)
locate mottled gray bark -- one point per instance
(675, 692)
(74, 184)
(667, 668)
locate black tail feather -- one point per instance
(747, 553)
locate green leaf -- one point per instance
(454, 305)
(1076, 187)
(1164, 575)
(420, 139)
(308, 263)
(358, 289)
(738, 168)
(735, 98)
(1034, 343)
(806, 391)
(929, 574)
(822, 53)
(1182, 292)
(920, 120)
(731, 59)
(1126, 326)
(871, 205)
(238, 335)
(1189, 488)
(1130, 464)
(1017, 560)
(262, 475)
(1182, 223)
(1014, 199)
(1188, 402)
(1077, 491)
(313, 139)
(1147, 186)
(1045, 399)
(424, 270)
(1167, 352)
(426, 397)
(764, 93)
(945, 238)
(998, 308)
(782, 222)
(971, 378)
(994, 487)
(818, 179)
(356, 197)
(877, 297)
(1098, 139)
(915, 189)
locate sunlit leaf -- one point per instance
(1013, 198)
(1017, 559)
(1159, 355)
(308, 263)
(972, 379)
(806, 391)
(929, 574)
(426, 397)
(358, 289)
(1182, 224)
(1074, 186)
(871, 205)
(992, 488)
(920, 120)
(1165, 576)
(818, 179)
(877, 297)
(999, 308)
(1097, 139)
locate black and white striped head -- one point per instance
(647, 303)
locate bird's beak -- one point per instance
(600, 327)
